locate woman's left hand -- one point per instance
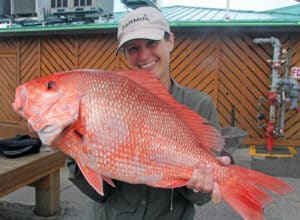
(202, 179)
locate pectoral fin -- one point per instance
(93, 178)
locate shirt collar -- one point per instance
(176, 91)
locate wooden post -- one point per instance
(47, 195)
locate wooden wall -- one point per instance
(227, 66)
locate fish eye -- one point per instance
(50, 84)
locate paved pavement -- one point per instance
(286, 207)
(20, 204)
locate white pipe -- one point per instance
(227, 16)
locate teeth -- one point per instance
(148, 65)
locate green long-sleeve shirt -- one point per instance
(131, 201)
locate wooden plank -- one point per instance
(40, 170)
(58, 56)
(48, 62)
(88, 48)
(29, 59)
(245, 116)
(122, 64)
(91, 56)
(181, 54)
(254, 57)
(241, 71)
(29, 169)
(194, 53)
(8, 45)
(218, 45)
(8, 82)
(236, 88)
(10, 130)
(199, 65)
(181, 43)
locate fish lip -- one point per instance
(20, 104)
(20, 101)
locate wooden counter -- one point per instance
(40, 170)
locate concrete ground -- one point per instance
(20, 204)
(287, 207)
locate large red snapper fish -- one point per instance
(126, 126)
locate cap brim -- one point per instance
(151, 34)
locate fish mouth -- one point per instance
(20, 104)
(20, 101)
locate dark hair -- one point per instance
(167, 36)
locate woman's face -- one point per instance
(151, 55)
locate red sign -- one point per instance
(295, 72)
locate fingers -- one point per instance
(225, 160)
(202, 179)
(216, 196)
(208, 178)
(194, 178)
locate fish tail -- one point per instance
(243, 192)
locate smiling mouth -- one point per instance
(148, 65)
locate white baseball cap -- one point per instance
(142, 23)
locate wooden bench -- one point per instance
(40, 170)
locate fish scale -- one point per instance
(126, 126)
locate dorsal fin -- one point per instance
(207, 135)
